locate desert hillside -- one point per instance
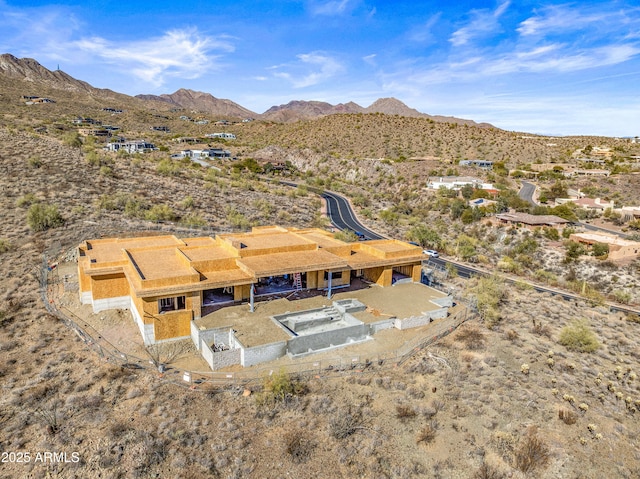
(531, 386)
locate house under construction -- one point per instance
(168, 282)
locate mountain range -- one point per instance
(30, 71)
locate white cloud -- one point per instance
(370, 59)
(325, 67)
(484, 22)
(334, 7)
(178, 53)
(562, 19)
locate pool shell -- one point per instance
(323, 328)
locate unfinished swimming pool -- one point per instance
(323, 328)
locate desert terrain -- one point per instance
(531, 386)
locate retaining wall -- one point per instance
(417, 321)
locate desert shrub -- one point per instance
(346, 422)
(567, 416)
(193, 219)
(279, 387)
(508, 265)
(5, 245)
(551, 233)
(486, 471)
(472, 337)
(427, 434)
(160, 213)
(26, 200)
(299, 446)
(577, 336)
(546, 276)
(620, 295)
(72, 139)
(42, 217)
(168, 168)
(404, 411)
(532, 453)
(106, 171)
(35, 162)
(237, 219)
(600, 250)
(489, 293)
(512, 335)
(573, 251)
(347, 236)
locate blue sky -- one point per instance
(540, 67)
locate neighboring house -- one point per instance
(39, 100)
(112, 110)
(208, 153)
(101, 132)
(167, 282)
(457, 182)
(85, 121)
(628, 213)
(593, 204)
(619, 248)
(186, 139)
(164, 129)
(131, 146)
(583, 172)
(224, 136)
(540, 167)
(531, 221)
(481, 202)
(483, 164)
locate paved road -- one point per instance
(527, 191)
(342, 216)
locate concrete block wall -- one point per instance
(263, 353)
(381, 325)
(119, 302)
(195, 335)
(146, 330)
(220, 359)
(445, 302)
(313, 342)
(86, 297)
(417, 321)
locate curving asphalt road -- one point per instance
(527, 191)
(342, 216)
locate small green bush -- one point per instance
(26, 200)
(279, 387)
(160, 213)
(5, 245)
(42, 217)
(577, 336)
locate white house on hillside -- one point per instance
(457, 182)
